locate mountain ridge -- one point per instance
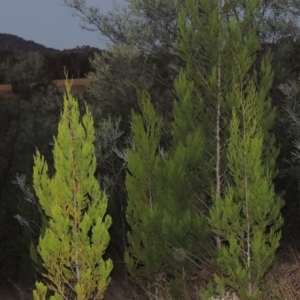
(20, 46)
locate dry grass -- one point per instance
(228, 296)
(5, 90)
(118, 289)
(76, 82)
(78, 87)
(284, 278)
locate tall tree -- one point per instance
(168, 234)
(203, 45)
(244, 217)
(149, 25)
(73, 245)
(220, 54)
(216, 49)
(143, 164)
(144, 49)
(247, 218)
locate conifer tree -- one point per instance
(76, 238)
(168, 230)
(220, 54)
(141, 183)
(219, 49)
(248, 217)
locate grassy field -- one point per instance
(78, 86)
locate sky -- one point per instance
(50, 23)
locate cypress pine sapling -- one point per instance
(168, 231)
(209, 30)
(143, 255)
(75, 240)
(248, 217)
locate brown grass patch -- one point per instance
(76, 82)
(284, 279)
(5, 90)
(78, 87)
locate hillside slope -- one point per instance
(20, 46)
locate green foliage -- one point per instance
(151, 25)
(248, 218)
(287, 130)
(220, 54)
(289, 122)
(74, 243)
(143, 30)
(168, 232)
(140, 54)
(109, 143)
(141, 183)
(14, 158)
(145, 51)
(28, 70)
(37, 123)
(41, 293)
(7, 58)
(217, 54)
(147, 25)
(75, 61)
(34, 224)
(122, 67)
(39, 120)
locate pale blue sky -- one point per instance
(49, 22)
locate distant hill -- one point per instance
(20, 46)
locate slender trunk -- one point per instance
(123, 221)
(150, 191)
(248, 234)
(218, 139)
(298, 197)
